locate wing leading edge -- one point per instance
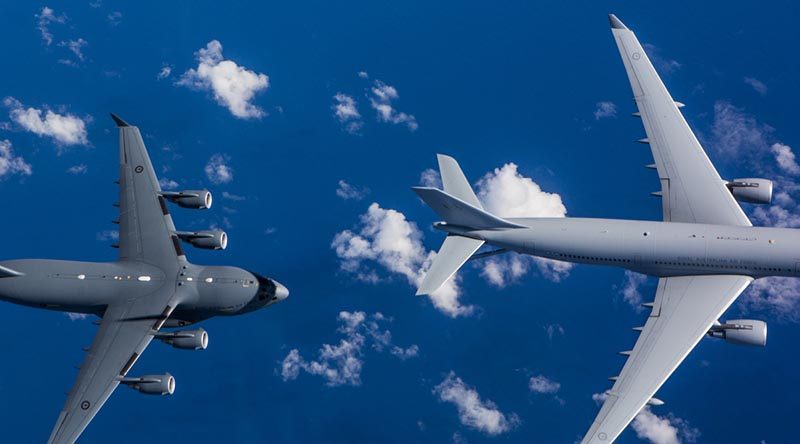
(691, 189)
(684, 309)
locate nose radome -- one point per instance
(281, 292)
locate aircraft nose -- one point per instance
(281, 292)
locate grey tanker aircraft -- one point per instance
(151, 287)
(705, 252)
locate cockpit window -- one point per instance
(266, 287)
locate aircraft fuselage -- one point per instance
(654, 248)
(88, 287)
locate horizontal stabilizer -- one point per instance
(455, 211)
(454, 252)
(7, 272)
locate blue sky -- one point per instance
(504, 357)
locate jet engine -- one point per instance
(186, 339)
(741, 332)
(209, 240)
(757, 191)
(152, 384)
(195, 199)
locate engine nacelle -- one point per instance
(195, 199)
(209, 240)
(741, 332)
(187, 339)
(152, 384)
(756, 191)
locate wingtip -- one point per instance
(120, 123)
(615, 22)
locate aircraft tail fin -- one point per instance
(454, 182)
(455, 251)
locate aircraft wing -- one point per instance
(125, 331)
(146, 230)
(684, 310)
(691, 189)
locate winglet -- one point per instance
(120, 123)
(615, 22)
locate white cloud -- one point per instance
(605, 109)
(75, 46)
(665, 65)
(381, 100)
(114, 18)
(217, 169)
(552, 330)
(630, 289)
(233, 86)
(167, 184)
(108, 235)
(777, 295)
(342, 363)
(507, 193)
(346, 112)
(44, 18)
(350, 192)
(385, 237)
(66, 129)
(430, 178)
(78, 169)
(10, 163)
(363, 74)
(76, 316)
(757, 85)
(233, 197)
(785, 158)
(165, 72)
(543, 385)
(658, 429)
(738, 135)
(473, 411)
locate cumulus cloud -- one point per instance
(543, 385)
(164, 72)
(664, 65)
(757, 85)
(605, 109)
(659, 429)
(474, 412)
(78, 169)
(114, 18)
(233, 197)
(43, 20)
(107, 235)
(232, 86)
(346, 112)
(430, 178)
(381, 100)
(342, 363)
(10, 163)
(785, 158)
(167, 184)
(630, 290)
(76, 48)
(507, 193)
(217, 169)
(552, 330)
(363, 74)
(350, 192)
(76, 316)
(384, 237)
(65, 129)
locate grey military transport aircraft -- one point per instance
(705, 252)
(151, 287)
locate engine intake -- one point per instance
(195, 199)
(756, 191)
(187, 339)
(741, 332)
(152, 384)
(209, 239)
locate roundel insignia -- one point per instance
(636, 56)
(139, 169)
(85, 405)
(602, 436)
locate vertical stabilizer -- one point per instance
(454, 182)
